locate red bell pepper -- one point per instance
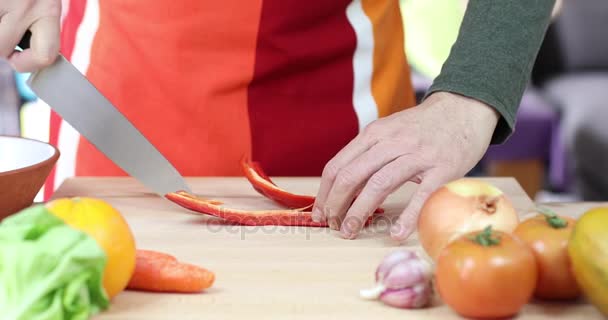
(265, 186)
(286, 217)
(297, 213)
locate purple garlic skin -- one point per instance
(403, 280)
(414, 297)
(390, 261)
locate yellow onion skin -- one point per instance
(463, 206)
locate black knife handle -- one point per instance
(25, 40)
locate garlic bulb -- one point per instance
(403, 280)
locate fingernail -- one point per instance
(345, 233)
(347, 229)
(351, 225)
(333, 224)
(316, 215)
(396, 230)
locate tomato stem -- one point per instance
(485, 238)
(553, 219)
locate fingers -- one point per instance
(44, 46)
(406, 224)
(351, 178)
(378, 187)
(11, 32)
(356, 147)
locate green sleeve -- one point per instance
(494, 53)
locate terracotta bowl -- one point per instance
(24, 166)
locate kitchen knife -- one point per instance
(67, 91)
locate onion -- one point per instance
(463, 206)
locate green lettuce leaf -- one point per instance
(48, 270)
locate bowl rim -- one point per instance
(51, 159)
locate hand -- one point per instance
(42, 18)
(440, 140)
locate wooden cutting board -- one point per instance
(272, 272)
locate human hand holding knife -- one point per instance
(76, 100)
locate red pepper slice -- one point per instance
(265, 186)
(298, 206)
(287, 217)
(257, 168)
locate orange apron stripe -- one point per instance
(391, 83)
(182, 80)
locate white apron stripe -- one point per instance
(363, 64)
(85, 36)
(68, 136)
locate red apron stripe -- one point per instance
(303, 120)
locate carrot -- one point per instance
(154, 255)
(161, 272)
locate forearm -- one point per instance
(492, 58)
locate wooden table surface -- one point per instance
(275, 272)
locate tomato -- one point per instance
(486, 274)
(549, 242)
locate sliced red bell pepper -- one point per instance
(258, 169)
(297, 213)
(265, 186)
(287, 217)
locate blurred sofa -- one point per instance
(571, 73)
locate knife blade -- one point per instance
(68, 92)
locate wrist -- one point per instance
(477, 120)
(474, 109)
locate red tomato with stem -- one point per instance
(486, 274)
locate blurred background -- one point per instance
(559, 150)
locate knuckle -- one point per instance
(380, 182)
(330, 171)
(26, 7)
(44, 60)
(371, 130)
(36, 9)
(345, 178)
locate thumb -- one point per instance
(44, 46)
(406, 224)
